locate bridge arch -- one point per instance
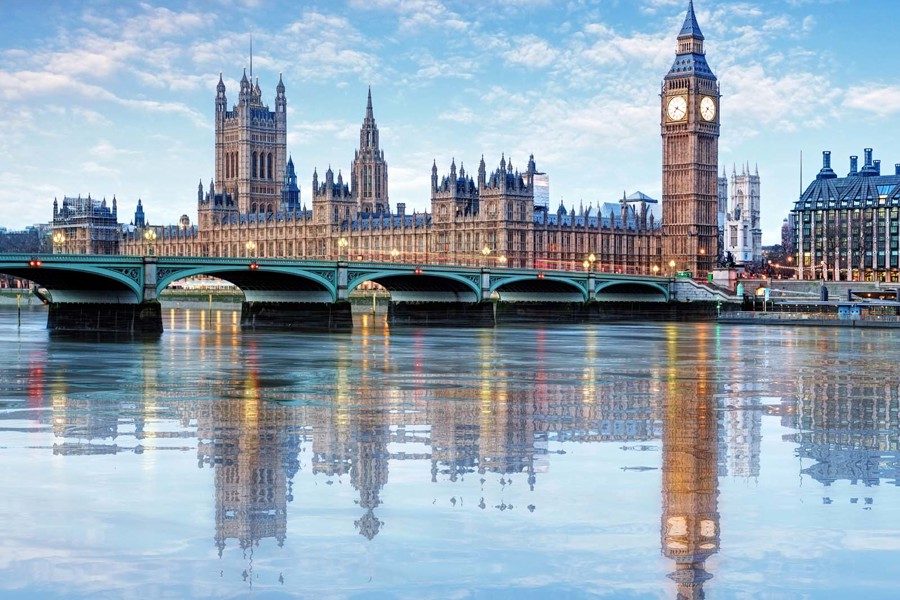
(414, 284)
(264, 280)
(75, 282)
(537, 288)
(631, 291)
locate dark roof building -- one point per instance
(846, 228)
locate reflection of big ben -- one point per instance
(690, 141)
(690, 519)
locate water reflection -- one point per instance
(393, 423)
(690, 452)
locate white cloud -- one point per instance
(531, 51)
(880, 100)
(414, 16)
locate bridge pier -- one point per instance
(311, 316)
(96, 317)
(441, 314)
(542, 312)
(651, 311)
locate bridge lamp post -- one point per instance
(150, 236)
(59, 238)
(655, 270)
(394, 254)
(502, 260)
(672, 267)
(486, 252)
(586, 264)
(343, 244)
(251, 248)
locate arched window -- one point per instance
(253, 167)
(269, 165)
(262, 165)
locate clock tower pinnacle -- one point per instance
(690, 147)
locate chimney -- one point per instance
(826, 172)
(878, 167)
(897, 169)
(854, 165)
(401, 209)
(868, 162)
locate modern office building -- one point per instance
(846, 228)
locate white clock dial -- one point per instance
(677, 108)
(708, 108)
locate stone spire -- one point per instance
(691, 28)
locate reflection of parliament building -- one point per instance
(252, 447)
(254, 196)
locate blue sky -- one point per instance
(108, 97)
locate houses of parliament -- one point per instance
(492, 217)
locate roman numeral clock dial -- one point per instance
(677, 108)
(708, 108)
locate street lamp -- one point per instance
(672, 267)
(150, 236)
(251, 248)
(343, 244)
(394, 254)
(59, 238)
(586, 264)
(655, 270)
(502, 260)
(486, 252)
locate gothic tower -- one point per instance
(368, 174)
(251, 146)
(743, 235)
(690, 143)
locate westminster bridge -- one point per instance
(121, 293)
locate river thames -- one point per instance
(570, 461)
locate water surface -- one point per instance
(618, 461)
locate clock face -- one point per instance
(708, 108)
(677, 108)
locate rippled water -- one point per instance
(621, 461)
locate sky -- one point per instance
(109, 97)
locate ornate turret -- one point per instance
(280, 98)
(368, 174)
(290, 191)
(221, 100)
(246, 92)
(139, 218)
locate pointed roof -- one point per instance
(691, 28)
(369, 114)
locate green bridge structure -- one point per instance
(97, 293)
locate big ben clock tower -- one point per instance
(690, 145)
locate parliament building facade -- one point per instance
(253, 207)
